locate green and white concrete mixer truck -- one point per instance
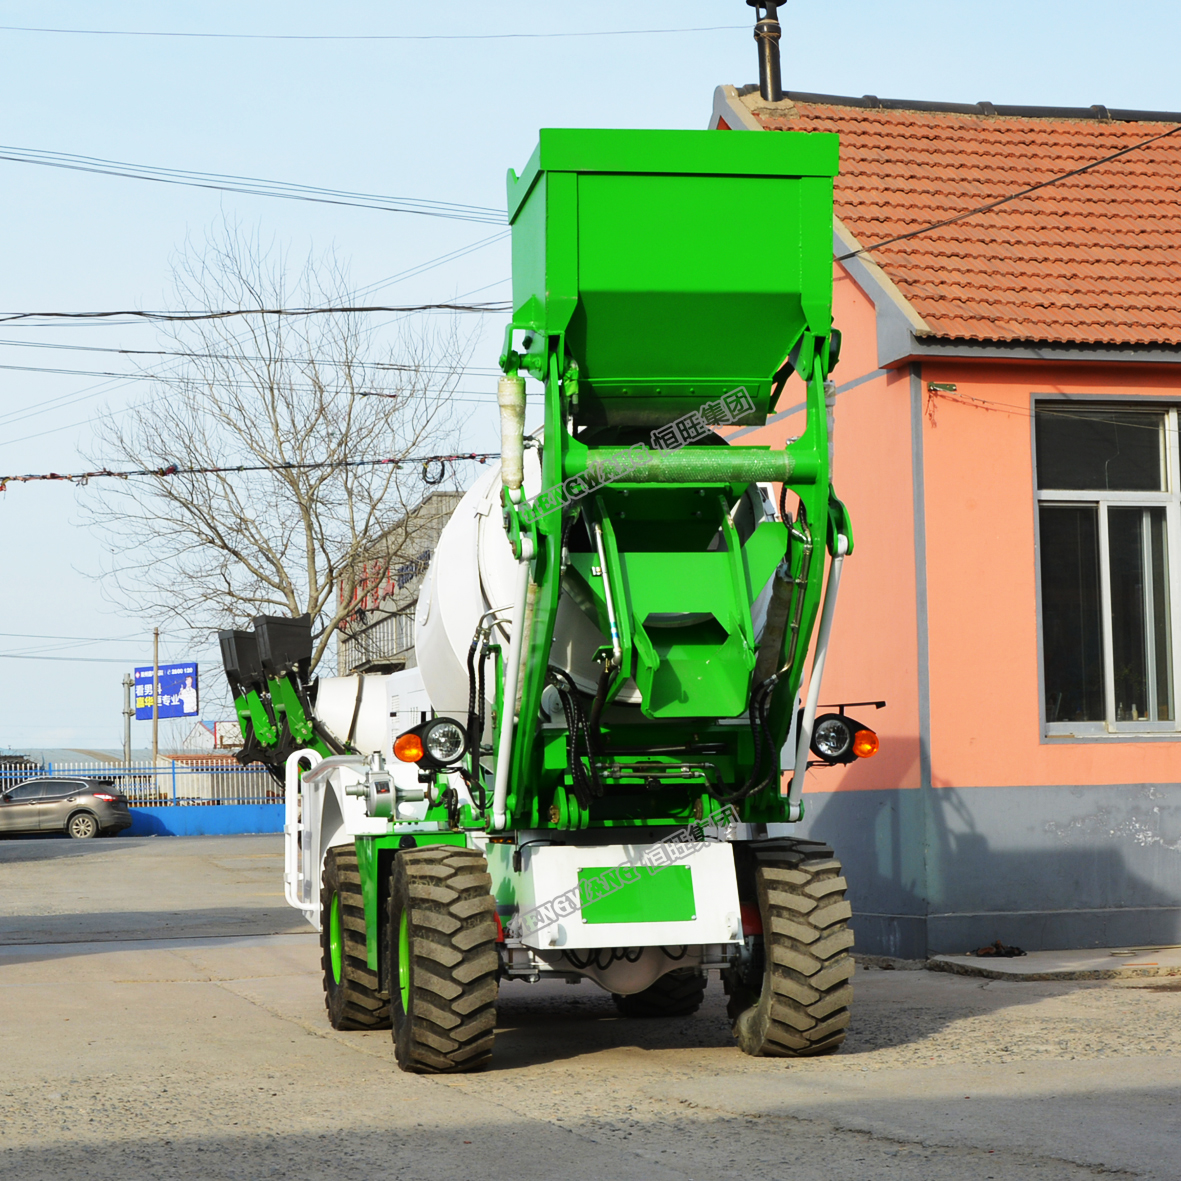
(594, 770)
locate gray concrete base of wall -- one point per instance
(1046, 868)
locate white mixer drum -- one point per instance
(472, 572)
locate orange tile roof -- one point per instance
(1094, 259)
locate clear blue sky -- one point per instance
(438, 119)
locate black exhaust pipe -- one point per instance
(767, 33)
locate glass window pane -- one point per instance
(1117, 450)
(1072, 636)
(1161, 614)
(1129, 656)
(1141, 647)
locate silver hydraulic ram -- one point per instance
(510, 397)
(804, 741)
(512, 680)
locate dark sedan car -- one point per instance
(80, 807)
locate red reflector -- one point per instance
(752, 921)
(499, 928)
(102, 795)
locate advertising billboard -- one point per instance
(178, 692)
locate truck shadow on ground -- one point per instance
(552, 1022)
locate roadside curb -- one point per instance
(1097, 964)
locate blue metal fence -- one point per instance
(170, 783)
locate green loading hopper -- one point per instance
(677, 264)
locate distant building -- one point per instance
(379, 636)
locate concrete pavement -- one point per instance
(210, 1057)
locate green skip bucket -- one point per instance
(679, 265)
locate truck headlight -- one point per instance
(436, 744)
(837, 738)
(444, 740)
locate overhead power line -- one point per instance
(369, 36)
(253, 186)
(71, 659)
(172, 469)
(499, 305)
(1044, 184)
(83, 639)
(203, 356)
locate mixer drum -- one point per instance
(472, 572)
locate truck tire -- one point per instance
(676, 994)
(443, 964)
(350, 985)
(791, 1000)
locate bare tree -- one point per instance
(307, 399)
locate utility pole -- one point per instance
(155, 695)
(128, 714)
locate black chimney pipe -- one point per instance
(767, 34)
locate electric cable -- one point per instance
(1011, 197)
(496, 306)
(482, 370)
(370, 36)
(173, 469)
(250, 185)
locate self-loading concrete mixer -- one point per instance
(593, 771)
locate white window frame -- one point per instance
(1102, 501)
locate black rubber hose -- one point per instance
(600, 702)
(576, 726)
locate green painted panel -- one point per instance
(659, 266)
(687, 153)
(651, 896)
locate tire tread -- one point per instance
(454, 967)
(802, 1006)
(356, 1002)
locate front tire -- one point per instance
(442, 958)
(350, 986)
(792, 999)
(678, 993)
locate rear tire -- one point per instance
(792, 999)
(82, 826)
(350, 986)
(443, 961)
(676, 994)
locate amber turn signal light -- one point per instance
(865, 744)
(408, 748)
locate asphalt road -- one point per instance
(166, 1024)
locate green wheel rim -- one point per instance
(335, 943)
(404, 961)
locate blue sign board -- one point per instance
(178, 692)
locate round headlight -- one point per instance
(444, 741)
(832, 738)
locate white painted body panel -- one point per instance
(549, 873)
